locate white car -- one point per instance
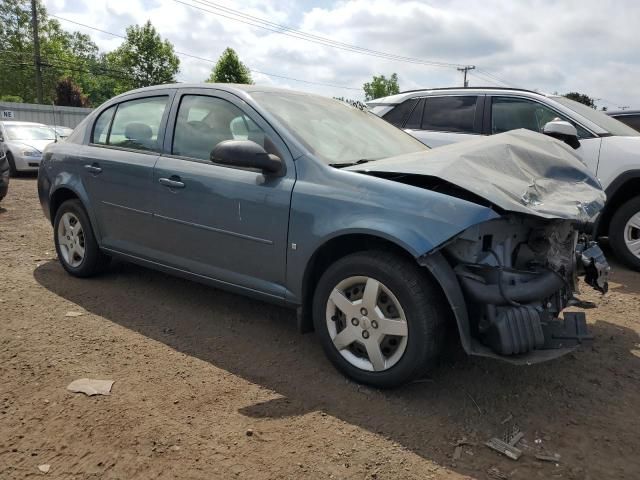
(23, 143)
(608, 147)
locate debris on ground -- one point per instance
(508, 418)
(545, 457)
(507, 445)
(495, 472)
(249, 432)
(91, 387)
(457, 453)
(73, 314)
(44, 468)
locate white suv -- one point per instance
(609, 148)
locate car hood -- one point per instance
(34, 144)
(518, 171)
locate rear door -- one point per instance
(441, 120)
(511, 112)
(219, 221)
(117, 170)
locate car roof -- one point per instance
(400, 97)
(236, 88)
(623, 112)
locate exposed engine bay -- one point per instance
(517, 274)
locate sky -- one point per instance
(589, 46)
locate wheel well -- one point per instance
(326, 255)
(58, 198)
(627, 191)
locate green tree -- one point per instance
(143, 59)
(381, 87)
(230, 69)
(582, 98)
(62, 54)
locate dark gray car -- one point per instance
(311, 203)
(4, 175)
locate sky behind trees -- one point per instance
(587, 46)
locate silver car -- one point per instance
(23, 143)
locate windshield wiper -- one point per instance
(350, 164)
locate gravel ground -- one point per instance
(213, 385)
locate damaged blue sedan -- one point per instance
(380, 243)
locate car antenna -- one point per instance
(55, 132)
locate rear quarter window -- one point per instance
(400, 113)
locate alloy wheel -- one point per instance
(632, 234)
(366, 323)
(71, 239)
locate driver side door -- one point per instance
(221, 222)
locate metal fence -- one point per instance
(47, 114)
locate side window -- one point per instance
(450, 114)
(632, 120)
(101, 127)
(415, 119)
(203, 122)
(136, 124)
(512, 113)
(399, 115)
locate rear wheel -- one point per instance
(624, 233)
(379, 317)
(75, 241)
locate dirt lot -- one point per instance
(196, 369)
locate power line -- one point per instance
(299, 34)
(209, 60)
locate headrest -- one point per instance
(138, 131)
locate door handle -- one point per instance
(173, 182)
(95, 169)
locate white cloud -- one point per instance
(587, 46)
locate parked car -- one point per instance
(61, 132)
(306, 201)
(628, 117)
(608, 147)
(23, 143)
(4, 175)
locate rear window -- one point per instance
(399, 115)
(450, 114)
(632, 120)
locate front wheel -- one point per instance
(624, 233)
(379, 317)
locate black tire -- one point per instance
(94, 261)
(13, 171)
(421, 299)
(617, 232)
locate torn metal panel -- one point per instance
(518, 171)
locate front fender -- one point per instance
(327, 203)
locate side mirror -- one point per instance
(247, 154)
(562, 131)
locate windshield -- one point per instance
(29, 132)
(335, 132)
(604, 121)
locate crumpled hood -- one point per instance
(518, 171)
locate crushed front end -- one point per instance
(517, 274)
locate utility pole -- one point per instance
(36, 50)
(465, 70)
